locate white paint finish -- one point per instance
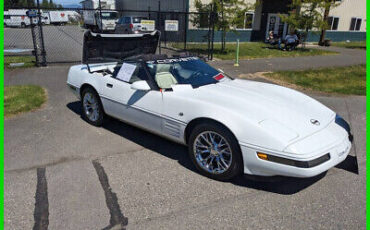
(260, 115)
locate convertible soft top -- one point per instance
(114, 47)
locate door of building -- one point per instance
(275, 24)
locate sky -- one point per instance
(67, 2)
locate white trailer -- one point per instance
(96, 19)
(58, 17)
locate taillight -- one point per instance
(131, 26)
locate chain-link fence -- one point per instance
(59, 32)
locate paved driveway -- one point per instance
(63, 173)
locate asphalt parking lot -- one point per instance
(63, 173)
(62, 43)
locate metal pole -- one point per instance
(237, 53)
(213, 30)
(159, 25)
(41, 35)
(101, 20)
(35, 47)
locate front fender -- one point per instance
(246, 131)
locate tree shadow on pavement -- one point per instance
(178, 152)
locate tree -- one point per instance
(229, 15)
(45, 4)
(8, 4)
(308, 14)
(326, 5)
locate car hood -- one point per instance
(282, 112)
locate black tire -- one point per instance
(23, 25)
(236, 165)
(84, 113)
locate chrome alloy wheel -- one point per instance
(212, 152)
(91, 106)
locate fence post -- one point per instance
(213, 30)
(186, 27)
(159, 25)
(41, 34)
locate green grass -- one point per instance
(351, 45)
(22, 98)
(29, 61)
(342, 80)
(252, 50)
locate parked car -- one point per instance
(130, 25)
(230, 126)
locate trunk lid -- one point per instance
(98, 48)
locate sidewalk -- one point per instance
(345, 57)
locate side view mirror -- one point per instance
(140, 85)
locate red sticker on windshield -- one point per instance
(219, 76)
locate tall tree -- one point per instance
(308, 14)
(326, 5)
(45, 4)
(229, 15)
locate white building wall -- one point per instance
(347, 10)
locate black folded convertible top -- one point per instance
(99, 48)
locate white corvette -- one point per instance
(229, 125)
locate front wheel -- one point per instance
(215, 151)
(92, 109)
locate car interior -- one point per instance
(164, 77)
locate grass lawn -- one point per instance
(22, 98)
(29, 61)
(351, 45)
(342, 80)
(251, 50)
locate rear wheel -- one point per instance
(92, 109)
(215, 151)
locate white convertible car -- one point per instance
(230, 126)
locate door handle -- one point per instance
(109, 85)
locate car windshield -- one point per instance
(190, 70)
(108, 15)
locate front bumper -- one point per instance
(253, 165)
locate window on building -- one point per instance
(333, 23)
(355, 24)
(248, 20)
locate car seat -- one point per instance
(164, 77)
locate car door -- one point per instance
(141, 108)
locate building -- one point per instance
(347, 21)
